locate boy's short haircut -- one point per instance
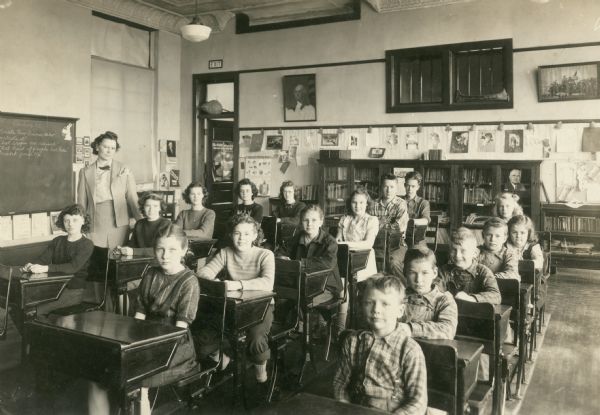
(413, 175)
(72, 210)
(419, 254)
(151, 196)
(384, 282)
(528, 223)
(495, 223)
(462, 235)
(312, 208)
(172, 231)
(388, 176)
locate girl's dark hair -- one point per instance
(528, 223)
(242, 218)
(311, 208)
(249, 183)
(109, 135)
(151, 196)
(287, 183)
(172, 230)
(361, 190)
(75, 209)
(188, 189)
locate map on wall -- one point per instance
(578, 181)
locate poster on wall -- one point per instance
(487, 141)
(259, 171)
(459, 142)
(513, 141)
(222, 155)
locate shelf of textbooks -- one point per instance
(575, 234)
(462, 190)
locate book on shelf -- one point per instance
(577, 224)
(436, 175)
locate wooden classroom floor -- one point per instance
(566, 379)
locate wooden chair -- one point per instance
(414, 233)
(197, 249)
(196, 384)
(269, 228)
(431, 232)
(5, 275)
(287, 289)
(477, 323)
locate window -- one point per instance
(476, 75)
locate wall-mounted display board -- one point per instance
(36, 159)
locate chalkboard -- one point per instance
(36, 163)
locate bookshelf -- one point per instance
(458, 190)
(575, 234)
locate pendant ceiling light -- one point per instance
(195, 31)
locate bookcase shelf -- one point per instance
(457, 187)
(575, 234)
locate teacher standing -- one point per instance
(107, 192)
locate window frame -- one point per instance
(447, 54)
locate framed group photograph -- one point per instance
(274, 142)
(567, 82)
(300, 98)
(330, 140)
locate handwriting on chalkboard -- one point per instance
(29, 147)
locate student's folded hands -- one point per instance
(461, 295)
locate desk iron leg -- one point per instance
(239, 378)
(353, 302)
(307, 350)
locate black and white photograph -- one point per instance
(372, 207)
(300, 97)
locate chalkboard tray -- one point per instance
(36, 163)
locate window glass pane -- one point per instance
(120, 42)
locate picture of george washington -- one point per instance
(299, 93)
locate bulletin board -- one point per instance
(36, 155)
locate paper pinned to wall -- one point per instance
(259, 171)
(40, 225)
(567, 140)
(5, 228)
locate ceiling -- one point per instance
(170, 15)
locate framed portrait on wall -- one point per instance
(299, 98)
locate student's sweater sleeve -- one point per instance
(510, 266)
(426, 212)
(414, 376)
(133, 242)
(187, 305)
(206, 228)
(444, 324)
(143, 291)
(257, 212)
(490, 293)
(265, 279)
(45, 257)
(179, 220)
(78, 260)
(212, 269)
(341, 379)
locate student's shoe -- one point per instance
(261, 372)
(224, 362)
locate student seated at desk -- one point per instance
(464, 277)
(246, 267)
(288, 211)
(168, 293)
(382, 367)
(317, 249)
(430, 313)
(507, 206)
(247, 191)
(69, 254)
(494, 254)
(358, 229)
(146, 229)
(523, 241)
(197, 222)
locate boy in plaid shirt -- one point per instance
(430, 313)
(383, 367)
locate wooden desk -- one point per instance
(526, 297)
(26, 293)
(312, 284)
(244, 309)
(123, 269)
(306, 403)
(441, 387)
(116, 351)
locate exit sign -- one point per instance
(216, 64)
